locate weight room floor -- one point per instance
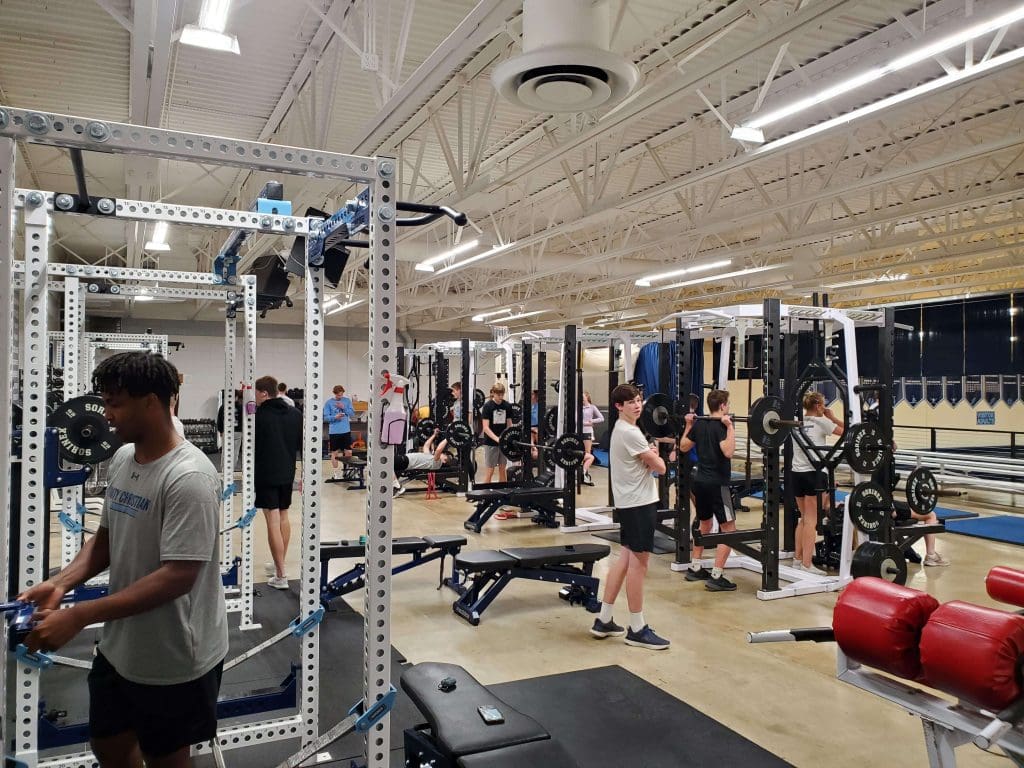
(784, 697)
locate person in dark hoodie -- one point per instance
(278, 441)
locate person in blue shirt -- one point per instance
(337, 412)
(534, 415)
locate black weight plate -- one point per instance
(656, 419)
(425, 429)
(510, 442)
(568, 451)
(865, 450)
(922, 491)
(551, 421)
(515, 413)
(479, 398)
(868, 505)
(459, 435)
(547, 455)
(83, 432)
(881, 560)
(760, 427)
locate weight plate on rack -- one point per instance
(568, 451)
(510, 443)
(551, 421)
(763, 428)
(922, 491)
(479, 398)
(515, 413)
(425, 429)
(881, 560)
(657, 419)
(865, 447)
(459, 435)
(867, 505)
(84, 435)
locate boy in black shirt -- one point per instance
(715, 440)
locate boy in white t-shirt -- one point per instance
(632, 459)
(808, 483)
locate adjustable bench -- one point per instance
(544, 501)
(488, 572)
(353, 471)
(421, 550)
(455, 734)
(442, 478)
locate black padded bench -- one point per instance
(544, 501)
(456, 736)
(353, 470)
(442, 478)
(489, 571)
(421, 550)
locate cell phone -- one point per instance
(490, 714)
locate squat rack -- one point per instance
(37, 211)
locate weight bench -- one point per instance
(353, 471)
(421, 551)
(488, 572)
(442, 478)
(544, 501)
(455, 734)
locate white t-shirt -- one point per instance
(633, 485)
(178, 426)
(816, 429)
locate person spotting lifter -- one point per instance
(715, 439)
(156, 674)
(635, 493)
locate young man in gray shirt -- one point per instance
(154, 681)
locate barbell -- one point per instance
(765, 425)
(566, 451)
(923, 491)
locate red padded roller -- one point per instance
(879, 623)
(1006, 585)
(974, 653)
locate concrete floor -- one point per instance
(782, 696)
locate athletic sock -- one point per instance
(636, 621)
(695, 566)
(606, 612)
(716, 573)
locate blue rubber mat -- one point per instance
(1006, 528)
(600, 457)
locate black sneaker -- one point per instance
(721, 584)
(646, 638)
(701, 574)
(606, 629)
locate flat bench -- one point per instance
(353, 470)
(445, 478)
(421, 550)
(546, 502)
(456, 736)
(487, 572)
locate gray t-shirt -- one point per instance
(633, 485)
(165, 510)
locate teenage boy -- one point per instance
(337, 412)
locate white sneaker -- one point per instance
(814, 570)
(935, 560)
(277, 582)
(398, 491)
(269, 569)
(797, 565)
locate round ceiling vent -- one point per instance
(565, 65)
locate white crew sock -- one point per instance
(695, 566)
(606, 612)
(716, 573)
(636, 621)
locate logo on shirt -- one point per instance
(135, 475)
(126, 502)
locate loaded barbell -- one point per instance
(923, 491)
(765, 425)
(566, 451)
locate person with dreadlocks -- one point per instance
(156, 674)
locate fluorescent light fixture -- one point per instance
(646, 281)
(159, 241)
(480, 318)
(710, 278)
(748, 134)
(427, 265)
(345, 306)
(492, 252)
(143, 297)
(914, 57)
(934, 85)
(209, 32)
(869, 280)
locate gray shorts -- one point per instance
(493, 457)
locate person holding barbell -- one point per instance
(494, 418)
(808, 483)
(429, 459)
(715, 440)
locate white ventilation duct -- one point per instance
(565, 65)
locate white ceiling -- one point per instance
(931, 188)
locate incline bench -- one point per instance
(544, 501)
(422, 550)
(488, 572)
(455, 734)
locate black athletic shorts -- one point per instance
(808, 483)
(713, 500)
(164, 718)
(636, 526)
(274, 496)
(341, 442)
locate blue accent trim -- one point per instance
(273, 207)
(308, 624)
(376, 712)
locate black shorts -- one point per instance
(274, 496)
(342, 442)
(808, 483)
(713, 500)
(164, 718)
(636, 526)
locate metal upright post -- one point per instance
(570, 397)
(74, 319)
(377, 637)
(527, 382)
(772, 374)
(886, 345)
(227, 443)
(791, 410)
(248, 452)
(682, 506)
(34, 496)
(542, 393)
(613, 412)
(664, 385)
(7, 345)
(466, 407)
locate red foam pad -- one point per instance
(974, 653)
(879, 624)
(1006, 585)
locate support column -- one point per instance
(74, 326)
(772, 373)
(7, 344)
(682, 398)
(227, 445)
(245, 571)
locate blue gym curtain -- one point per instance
(646, 371)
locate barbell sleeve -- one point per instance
(807, 634)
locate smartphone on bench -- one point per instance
(491, 714)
